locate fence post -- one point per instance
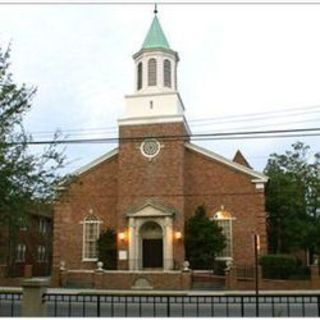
(315, 276)
(32, 299)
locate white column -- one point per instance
(132, 245)
(168, 245)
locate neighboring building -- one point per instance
(29, 248)
(152, 183)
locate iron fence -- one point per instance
(93, 305)
(10, 304)
(245, 271)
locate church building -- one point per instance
(151, 184)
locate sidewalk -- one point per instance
(167, 292)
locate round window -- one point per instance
(150, 148)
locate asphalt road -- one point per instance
(178, 309)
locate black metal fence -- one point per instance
(87, 305)
(10, 304)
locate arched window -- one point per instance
(167, 73)
(91, 230)
(152, 72)
(139, 76)
(224, 220)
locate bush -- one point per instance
(219, 267)
(278, 266)
(203, 240)
(107, 249)
(300, 273)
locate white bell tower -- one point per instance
(156, 98)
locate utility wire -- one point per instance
(300, 132)
(305, 111)
(218, 3)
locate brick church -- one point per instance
(149, 186)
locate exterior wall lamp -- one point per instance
(122, 236)
(178, 235)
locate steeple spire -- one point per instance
(155, 37)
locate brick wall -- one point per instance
(96, 189)
(161, 179)
(126, 280)
(178, 178)
(213, 184)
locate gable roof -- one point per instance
(97, 161)
(257, 176)
(240, 158)
(159, 209)
(156, 204)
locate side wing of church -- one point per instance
(148, 187)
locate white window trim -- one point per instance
(24, 250)
(84, 259)
(226, 258)
(41, 254)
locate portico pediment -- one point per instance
(151, 209)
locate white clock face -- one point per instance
(150, 148)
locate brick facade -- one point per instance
(178, 177)
(35, 233)
(136, 193)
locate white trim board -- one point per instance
(97, 161)
(258, 176)
(154, 120)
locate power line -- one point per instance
(222, 119)
(102, 3)
(299, 132)
(246, 115)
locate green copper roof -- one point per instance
(155, 37)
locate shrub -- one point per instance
(278, 266)
(203, 240)
(107, 249)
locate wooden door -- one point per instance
(152, 253)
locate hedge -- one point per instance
(278, 266)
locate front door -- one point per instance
(152, 253)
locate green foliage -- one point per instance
(283, 267)
(107, 249)
(203, 240)
(26, 180)
(277, 266)
(293, 200)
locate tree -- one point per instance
(107, 249)
(293, 200)
(26, 180)
(203, 240)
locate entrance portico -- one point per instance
(150, 238)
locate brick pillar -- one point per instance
(232, 278)
(186, 280)
(27, 273)
(97, 279)
(315, 277)
(55, 277)
(32, 302)
(63, 277)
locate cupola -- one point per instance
(156, 62)
(156, 98)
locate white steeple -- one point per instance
(155, 97)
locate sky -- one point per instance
(242, 67)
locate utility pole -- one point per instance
(256, 256)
